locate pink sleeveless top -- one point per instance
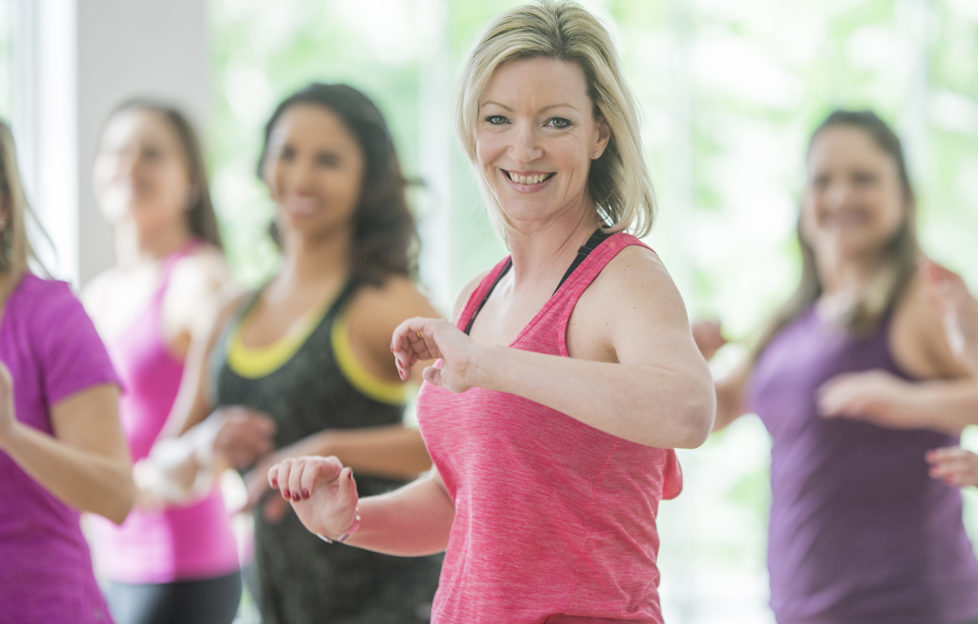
(554, 519)
(178, 543)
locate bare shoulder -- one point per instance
(96, 290)
(465, 293)
(205, 267)
(634, 278)
(397, 296)
(917, 337)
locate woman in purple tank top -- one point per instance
(172, 560)
(856, 383)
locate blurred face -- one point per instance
(141, 174)
(536, 137)
(314, 169)
(854, 201)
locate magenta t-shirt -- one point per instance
(554, 519)
(52, 350)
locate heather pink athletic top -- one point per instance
(554, 520)
(178, 543)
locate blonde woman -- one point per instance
(61, 446)
(570, 373)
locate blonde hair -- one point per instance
(618, 181)
(15, 247)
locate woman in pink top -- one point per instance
(570, 373)
(167, 562)
(61, 447)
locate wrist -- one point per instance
(482, 364)
(353, 528)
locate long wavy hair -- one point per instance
(201, 218)
(384, 231)
(15, 246)
(901, 253)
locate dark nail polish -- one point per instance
(305, 493)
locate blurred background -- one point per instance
(728, 92)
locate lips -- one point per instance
(302, 206)
(528, 180)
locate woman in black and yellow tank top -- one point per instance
(312, 350)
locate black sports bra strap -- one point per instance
(596, 239)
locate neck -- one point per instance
(846, 275)
(133, 247)
(538, 252)
(314, 260)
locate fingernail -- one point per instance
(350, 475)
(295, 496)
(274, 482)
(305, 493)
(285, 495)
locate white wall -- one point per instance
(75, 59)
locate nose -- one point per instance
(526, 145)
(126, 162)
(837, 194)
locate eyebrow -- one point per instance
(545, 108)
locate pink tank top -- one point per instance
(554, 520)
(178, 543)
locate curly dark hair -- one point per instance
(384, 232)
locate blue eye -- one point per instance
(495, 120)
(559, 122)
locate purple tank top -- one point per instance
(181, 542)
(859, 533)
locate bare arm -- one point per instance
(656, 390)
(414, 520)
(86, 463)
(730, 395)
(943, 397)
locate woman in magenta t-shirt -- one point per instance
(571, 372)
(61, 446)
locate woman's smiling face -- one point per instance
(535, 139)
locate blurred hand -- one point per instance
(240, 435)
(958, 309)
(709, 337)
(259, 492)
(322, 492)
(954, 465)
(873, 396)
(425, 339)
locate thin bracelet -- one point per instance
(349, 532)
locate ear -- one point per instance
(602, 137)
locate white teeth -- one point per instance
(533, 179)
